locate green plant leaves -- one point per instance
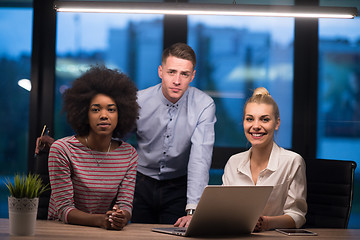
(26, 186)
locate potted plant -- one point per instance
(23, 202)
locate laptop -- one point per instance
(225, 210)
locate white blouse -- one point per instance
(286, 172)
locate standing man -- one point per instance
(175, 135)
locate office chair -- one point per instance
(219, 159)
(330, 193)
(41, 168)
(222, 154)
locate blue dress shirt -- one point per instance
(176, 139)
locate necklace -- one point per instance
(97, 160)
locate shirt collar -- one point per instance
(167, 103)
(274, 158)
(273, 164)
(244, 166)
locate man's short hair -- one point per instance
(179, 50)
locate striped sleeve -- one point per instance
(127, 186)
(62, 191)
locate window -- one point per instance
(338, 135)
(130, 43)
(15, 64)
(339, 90)
(235, 55)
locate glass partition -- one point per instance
(338, 134)
(15, 65)
(236, 55)
(131, 43)
(339, 90)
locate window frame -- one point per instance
(175, 30)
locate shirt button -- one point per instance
(170, 119)
(164, 152)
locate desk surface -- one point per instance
(57, 230)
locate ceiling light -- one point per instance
(25, 84)
(206, 9)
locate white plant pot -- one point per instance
(22, 215)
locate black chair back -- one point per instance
(330, 193)
(41, 168)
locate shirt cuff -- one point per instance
(190, 206)
(66, 214)
(298, 219)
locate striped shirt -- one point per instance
(78, 181)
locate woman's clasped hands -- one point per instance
(116, 219)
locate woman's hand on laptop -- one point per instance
(183, 221)
(262, 224)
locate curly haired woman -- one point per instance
(92, 173)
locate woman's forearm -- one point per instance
(78, 217)
(283, 221)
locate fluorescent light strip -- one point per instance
(177, 12)
(206, 9)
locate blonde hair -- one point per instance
(262, 95)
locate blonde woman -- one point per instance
(265, 163)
